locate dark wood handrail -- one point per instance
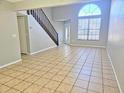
(48, 20)
(44, 21)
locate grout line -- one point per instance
(38, 79)
(102, 72)
(71, 54)
(60, 82)
(20, 79)
(90, 73)
(64, 78)
(80, 71)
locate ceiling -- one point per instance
(32, 4)
(13, 1)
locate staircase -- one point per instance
(45, 23)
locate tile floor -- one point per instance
(61, 70)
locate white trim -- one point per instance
(42, 50)
(87, 45)
(11, 63)
(114, 71)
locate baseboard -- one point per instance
(87, 46)
(11, 63)
(114, 71)
(42, 50)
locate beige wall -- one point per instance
(71, 12)
(9, 38)
(116, 39)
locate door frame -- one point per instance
(25, 19)
(68, 28)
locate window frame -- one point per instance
(88, 18)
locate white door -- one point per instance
(67, 33)
(22, 34)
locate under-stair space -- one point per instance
(45, 23)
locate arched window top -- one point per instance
(90, 10)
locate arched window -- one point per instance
(89, 22)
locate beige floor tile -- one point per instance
(39, 73)
(3, 88)
(33, 89)
(13, 82)
(15, 74)
(46, 90)
(13, 91)
(53, 71)
(21, 86)
(4, 69)
(5, 79)
(84, 77)
(52, 85)
(108, 72)
(32, 71)
(32, 79)
(111, 83)
(87, 68)
(38, 67)
(46, 69)
(58, 78)
(69, 80)
(96, 80)
(78, 90)
(64, 88)
(96, 74)
(72, 75)
(8, 72)
(89, 91)
(97, 70)
(75, 70)
(86, 72)
(96, 87)
(57, 92)
(11, 66)
(23, 76)
(107, 68)
(110, 90)
(63, 73)
(48, 75)
(41, 81)
(81, 83)
(61, 64)
(109, 76)
(22, 69)
(2, 76)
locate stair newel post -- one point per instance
(38, 15)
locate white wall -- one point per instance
(9, 38)
(39, 39)
(59, 26)
(71, 12)
(116, 39)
